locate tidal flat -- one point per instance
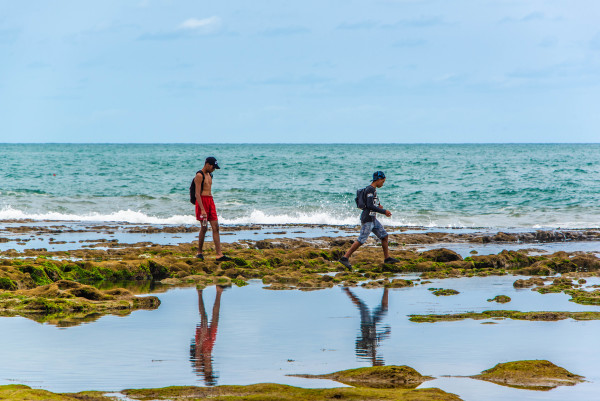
(145, 314)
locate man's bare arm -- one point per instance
(198, 180)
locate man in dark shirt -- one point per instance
(369, 222)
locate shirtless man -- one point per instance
(206, 210)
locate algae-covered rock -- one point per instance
(25, 393)
(443, 291)
(530, 282)
(280, 392)
(441, 255)
(377, 377)
(531, 374)
(67, 303)
(506, 314)
(502, 299)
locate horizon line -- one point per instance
(299, 143)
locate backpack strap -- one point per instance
(201, 185)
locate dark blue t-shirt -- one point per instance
(372, 201)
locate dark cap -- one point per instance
(212, 161)
(378, 175)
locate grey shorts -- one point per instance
(374, 227)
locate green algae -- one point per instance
(376, 377)
(502, 299)
(19, 392)
(584, 297)
(66, 303)
(285, 257)
(443, 291)
(530, 374)
(7, 284)
(506, 314)
(270, 391)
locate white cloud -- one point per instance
(210, 23)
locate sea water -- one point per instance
(498, 186)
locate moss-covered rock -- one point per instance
(502, 299)
(443, 292)
(269, 391)
(530, 282)
(19, 392)
(66, 303)
(530, 374)
(506, 314)
(441, 255)
(377, 377)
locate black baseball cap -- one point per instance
(212, 161)
(378, 175)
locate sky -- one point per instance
(311, 71)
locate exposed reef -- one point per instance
(531, 375)
(67, 303)
(266, 391)
(376, 377)
(443, 292)
(506, 314)
(281, 264)
(501, 299)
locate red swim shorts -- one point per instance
(209, 207)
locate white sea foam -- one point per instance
(128, 216)
(259, 217)
(137, 217)
(332, 219)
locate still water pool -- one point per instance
(250, 335)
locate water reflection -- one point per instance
(204, 341)
(369, 338)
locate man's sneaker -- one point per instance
(344, 260)
(390, 261)
(224, 258)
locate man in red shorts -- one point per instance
(206, 210)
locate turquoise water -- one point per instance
(512, 185)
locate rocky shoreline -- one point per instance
(37, 283)
(101, 277)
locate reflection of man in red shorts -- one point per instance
(205, 208)
(202, 346)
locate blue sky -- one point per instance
(370, 71)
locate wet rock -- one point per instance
(270, 391)
(502, 299)
(441, 255)
(530, 374)
(443, 291)
(399, 283)
(504, 237)
(377, 377)
(506, 314)
(586, 263)
(533, 281)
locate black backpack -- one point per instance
(193, 187)
(361, 198)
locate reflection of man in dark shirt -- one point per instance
(202, 346)
(367, 342)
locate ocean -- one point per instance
(446, 185)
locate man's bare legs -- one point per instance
(201, 235)
(384, 245)
(353, 248)
(214, 225)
